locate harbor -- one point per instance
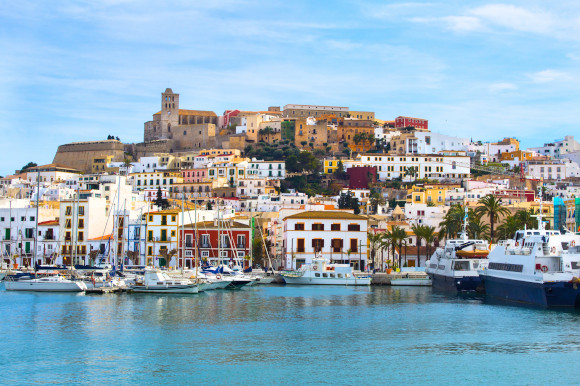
(282, 335)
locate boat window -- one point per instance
(339, 275)
(461, 266)
(324, 275)
(332, 275)
(347, 275)
(317, 275)
(575, 265)
(565, 245)
(536, 233)
(441, 266)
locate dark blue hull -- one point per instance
(555, 294)
(454, 284)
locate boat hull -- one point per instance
(411, 282)
(35, 286)
(456, 284)
(236, 284)
(170, 289)
(551, 294)
(326, 280)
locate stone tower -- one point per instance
(169, 112)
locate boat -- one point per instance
(412, 280)
(235, 279)
(538, 267)
(322, 272)
(454, 267)
(157, 281)
(52, 283)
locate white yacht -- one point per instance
(454, 267)
(322, 272)
(52, 283)
(537, 267)
(157, 281)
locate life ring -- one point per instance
(573, 243)
(544, 268)
(218, 276)
(315, 267)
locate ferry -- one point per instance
(537, 267)
(322, 272)
(455, 266)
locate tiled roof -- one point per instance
(106, 237)
(326, 215)
(210, 224)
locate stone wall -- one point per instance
(145, 149)
(80, 155)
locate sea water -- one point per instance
(283, 335)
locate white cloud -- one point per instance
(512, 17)
(546, 76)
(463, 23)
(500, 87)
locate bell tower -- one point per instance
(169, 112)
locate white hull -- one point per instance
(39, 286)
(412, 282)
(326, 280)
(169, 289)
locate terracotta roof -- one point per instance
(201, 113)
(105, 237)
(166, 211)
(50, 222)
(326, 215)
(210, 224)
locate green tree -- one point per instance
(349, 201)
(161, 202)
(452, 222)
(429, 236)
(491, 207)
(508, 227)
(28, 166)
(419, 231)
(374, 241)
(376, 199)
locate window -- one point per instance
(81, 236)
(149, 251)
(67, 223)
(68, 211)
(335, 227)
(150, 236)
(205, 241)
(299, 226)
(354, 245)
(317, 245)
(173, 218)
(299, 245)
(150, 218)
(81, 223)
(353, 227)
(317, 227)
(336, 245)
(164, 220)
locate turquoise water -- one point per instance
(283, 335)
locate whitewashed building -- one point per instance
(336, 235)
(437, 167)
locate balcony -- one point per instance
(241, 245)
(205, 245)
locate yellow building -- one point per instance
(330, 165)
(522, 155)
(435, 194)
(161, 234)
(364, 115)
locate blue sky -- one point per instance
(80, 70)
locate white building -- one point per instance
(425, 142)
(423, 214)
(557, 169)
(266, 169)
(437, 167)
(493, 150)
(337, 236)
(558, 148)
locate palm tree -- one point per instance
(452, 221)
(400, 236)
(389, 241)
(508, 228)
(419, 231)
(374, 240)
(526, 219)
(429, 236)
(477, 229)
(491, 207)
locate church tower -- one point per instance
(169, 112)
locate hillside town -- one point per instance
(278, 187)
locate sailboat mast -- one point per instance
(182, 230)
(36, 226)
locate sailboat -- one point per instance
(49, 283)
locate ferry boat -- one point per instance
(537, 267)
(157, 281)
(454, 267)
(322, 272)
(53, 283)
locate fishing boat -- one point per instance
(454, 267)
(52, 283)
(322, 272)
(537, 267)
(157, 281)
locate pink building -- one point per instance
(194, 175)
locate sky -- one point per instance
(81, 70)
